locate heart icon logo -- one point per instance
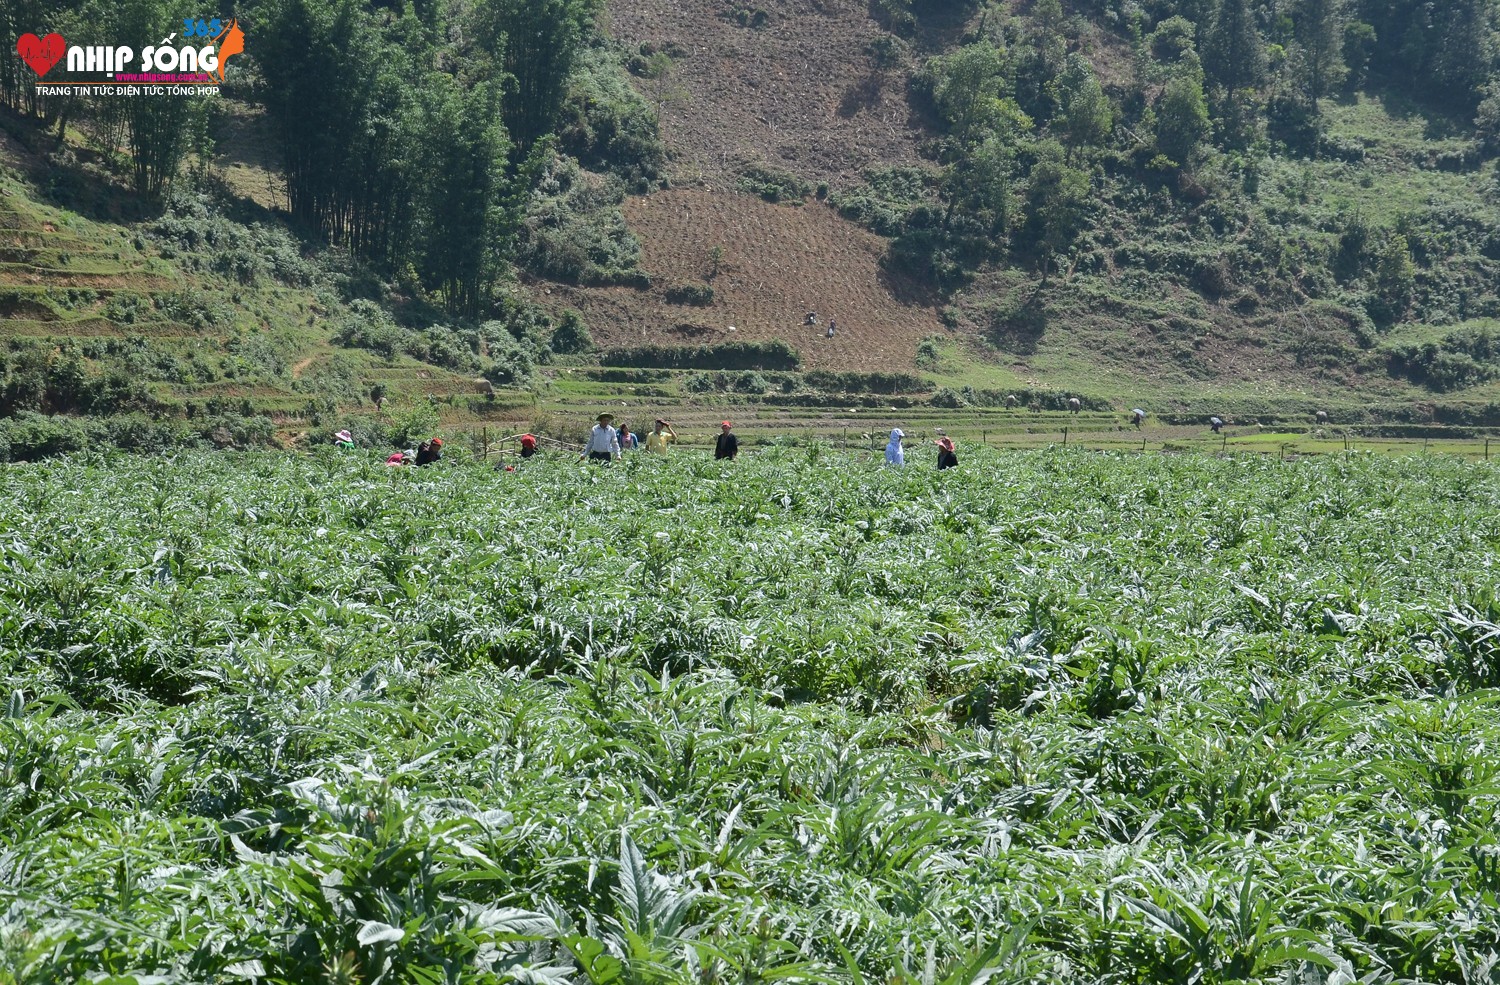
(41, 53)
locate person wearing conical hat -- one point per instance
(343, 439)
(604, 441)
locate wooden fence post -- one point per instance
(1065, 436)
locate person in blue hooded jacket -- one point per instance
(894, 454)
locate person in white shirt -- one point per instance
(604, 441)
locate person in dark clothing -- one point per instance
(1216, 423)
(947, 458)
(528, 445)
(430, 451)
(727, 446)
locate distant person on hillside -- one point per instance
(343, 439)
(1216, 424)
(812, 318)
(628, 441)
(1137, 416)
(894, 453)
(396, 460)
(430, 451)
(528, 445)
(727, 445)
(660, 438)
(604, 442)
(832, 324)
(947, 457)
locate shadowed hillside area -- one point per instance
(396, 216)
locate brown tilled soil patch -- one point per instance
(779, 262)
(799, 93)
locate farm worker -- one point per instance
(727, 445)
(604, 441)
(894, 454)
(343, 439)
(628, 441)
(660, 438)
(1216, 424)
(831, 326)
(1137, 416)
(528, 445)
(947, 458)
(430, 451)
(396, 460)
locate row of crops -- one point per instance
(1054, 716)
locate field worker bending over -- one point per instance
(1216, 423)
(604, 441)
(528, 445)
(660, 438)
(894, 453)
(1137, 416)
(727, 445)
(430, 451)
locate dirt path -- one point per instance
(299, 366)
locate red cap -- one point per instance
(725, 424)
(437, 441)
(528, 439)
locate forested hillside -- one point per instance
(1208, 200)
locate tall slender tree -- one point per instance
(1235, 61)
(1319, 32)
(536, 45)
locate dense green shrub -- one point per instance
(771, 354)
(571, 334)
(699, 294)
(1458, 360)
(608, 126)
(773, 184)
(855, 382)
(574, 231)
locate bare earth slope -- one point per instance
(800, 92)
(778, 263)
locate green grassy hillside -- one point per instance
(1081, 200)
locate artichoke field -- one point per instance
(1049, 717)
